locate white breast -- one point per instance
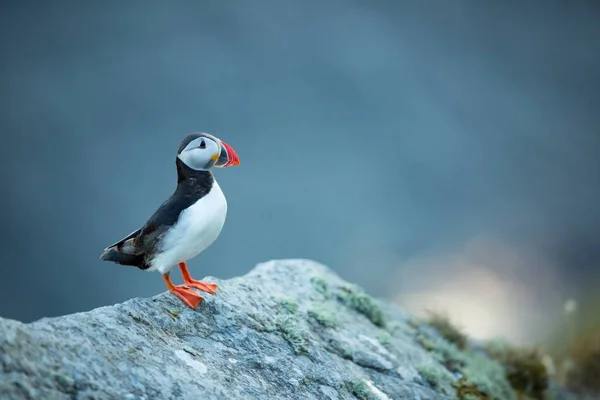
(197, 228)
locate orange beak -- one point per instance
(231, 158)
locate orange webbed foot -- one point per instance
(204, 286)
(187, 295)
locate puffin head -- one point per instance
(202, 151)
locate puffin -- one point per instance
(185, 224)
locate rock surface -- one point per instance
(289, 329)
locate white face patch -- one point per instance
(199, 154)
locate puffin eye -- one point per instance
(202, 144)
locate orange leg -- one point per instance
(205, 287)
(187, 295)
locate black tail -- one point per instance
(114, 255)
(124, 252)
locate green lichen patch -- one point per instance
(485, 378)
(320, 285)
(444, 352)
(524, 368)
(305, 381)
(359, 389)
(464, 391)
(289, 324)
(267, 327)
(347, 353)
(288, 305)
(392, 327)
(354, 297)
(64, 382)
(470, 396)
(261, 326)
(384, 338)
(325, 314)
(292, 331)
(481, 377)
(442, 324)
(499, 372)
(435, 376)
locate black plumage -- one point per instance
(138, 248)
(187, 223)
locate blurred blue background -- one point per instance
(439, 154)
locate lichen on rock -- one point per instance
(325, 314)
(354, 297)
(289, 329)
(493, 371)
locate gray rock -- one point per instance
(290, 329)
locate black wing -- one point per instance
(126, 238)
(189, 190)
(162, 220)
